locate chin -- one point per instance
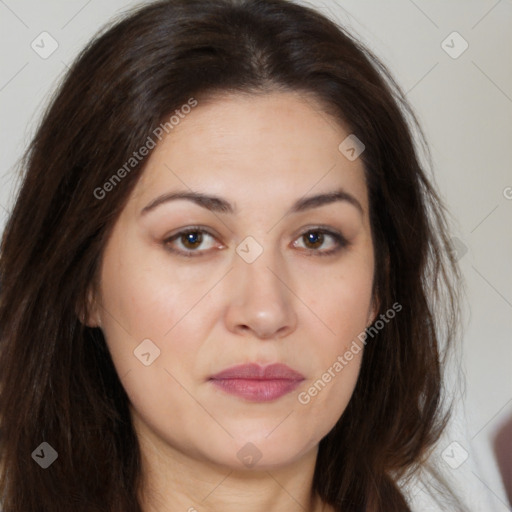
(259, 451)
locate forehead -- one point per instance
(258, 147)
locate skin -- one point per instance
(213, 311)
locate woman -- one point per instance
(222, 278)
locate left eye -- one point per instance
(315, 238)
(191, 240)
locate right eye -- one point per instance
(190, 239)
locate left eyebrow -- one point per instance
(322, 199)
(221, 205)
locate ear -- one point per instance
(90, 315)
(374, 309)
(376, 303)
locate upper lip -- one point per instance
(256, 372)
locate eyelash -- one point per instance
(341, 241)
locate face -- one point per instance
(260, 275)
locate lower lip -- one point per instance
(257, 390)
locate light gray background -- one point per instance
(465, 107)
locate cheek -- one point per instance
(147, 298)
(146, 301)
(341, 300)
(338, 358)
(146, 295)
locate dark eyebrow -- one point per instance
(220, 205)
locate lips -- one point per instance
(257, 372)
(256, 383)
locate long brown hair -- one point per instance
(57, 381)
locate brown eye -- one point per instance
(192, 239)
(316, 238)
(189, 242)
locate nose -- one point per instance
(260, 303)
